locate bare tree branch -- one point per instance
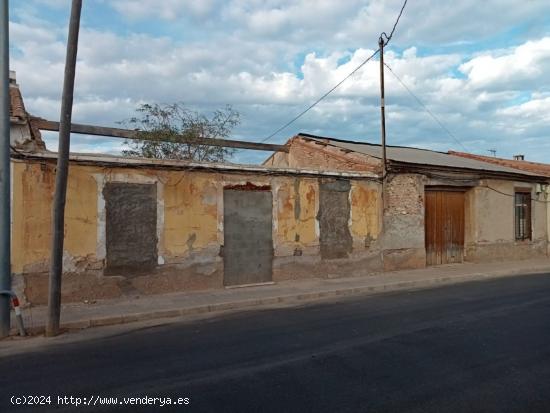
(170, 122)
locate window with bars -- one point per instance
(522, 206)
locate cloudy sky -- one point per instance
(481, 67)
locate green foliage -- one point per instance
(164, 127)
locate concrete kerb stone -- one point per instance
(288, 298)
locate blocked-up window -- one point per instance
(522, 206)
(334, 213)
(131, 227)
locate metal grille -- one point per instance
(522, 207)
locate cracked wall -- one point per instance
(190, 229)
(404, 244)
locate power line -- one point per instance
(321, 98)
(426, 108)
(388, 38)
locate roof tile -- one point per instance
(534, 167)
(17, 107)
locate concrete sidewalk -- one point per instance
(131, 309)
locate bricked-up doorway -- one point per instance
(248, 240)
(444, 222)
(334, 213)
(131, 228)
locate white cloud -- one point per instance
(272, 58)
(510, 68)
(165, 9)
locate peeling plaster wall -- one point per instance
(490, 233)
(32, 197)
(191, 214)
(366, 214)
(189, 230)
(297, 203)
(404, 243)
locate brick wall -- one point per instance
(306, 154)
(403, 196)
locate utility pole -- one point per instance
(382, 107)
(5, 192)
(58, 210)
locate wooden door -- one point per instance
(444, 226)
(248, 242)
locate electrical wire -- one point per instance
(388, 38)
(321, 98)
(426, 108)
(512, 195)
(468, 180)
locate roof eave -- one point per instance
(399, 166)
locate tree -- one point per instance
(162, 126)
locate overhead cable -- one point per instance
(388, 38)
(427, 109)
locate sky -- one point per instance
(480, 67)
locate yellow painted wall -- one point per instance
(81, 212)
(190, 212)
(33, 187)
(365, 210)
(193, 211)
(296, 220)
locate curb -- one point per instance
(289, 299)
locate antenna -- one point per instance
(493, 152)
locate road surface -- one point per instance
(473, 347)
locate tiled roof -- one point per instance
(17, 107)
(27, 136)
(534, 167)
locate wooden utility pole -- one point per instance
(5, 193)
(58, 210)
(382, 107)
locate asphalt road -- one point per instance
(475, 347)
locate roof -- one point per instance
(135, 162)
(17, 107)
(27, 135)
(402, 154)
(534, 167)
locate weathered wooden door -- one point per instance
(248, 241)
(444, 226)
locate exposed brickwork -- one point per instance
(534, 167)
(403, 195)
(307, 154)
(403, 222)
